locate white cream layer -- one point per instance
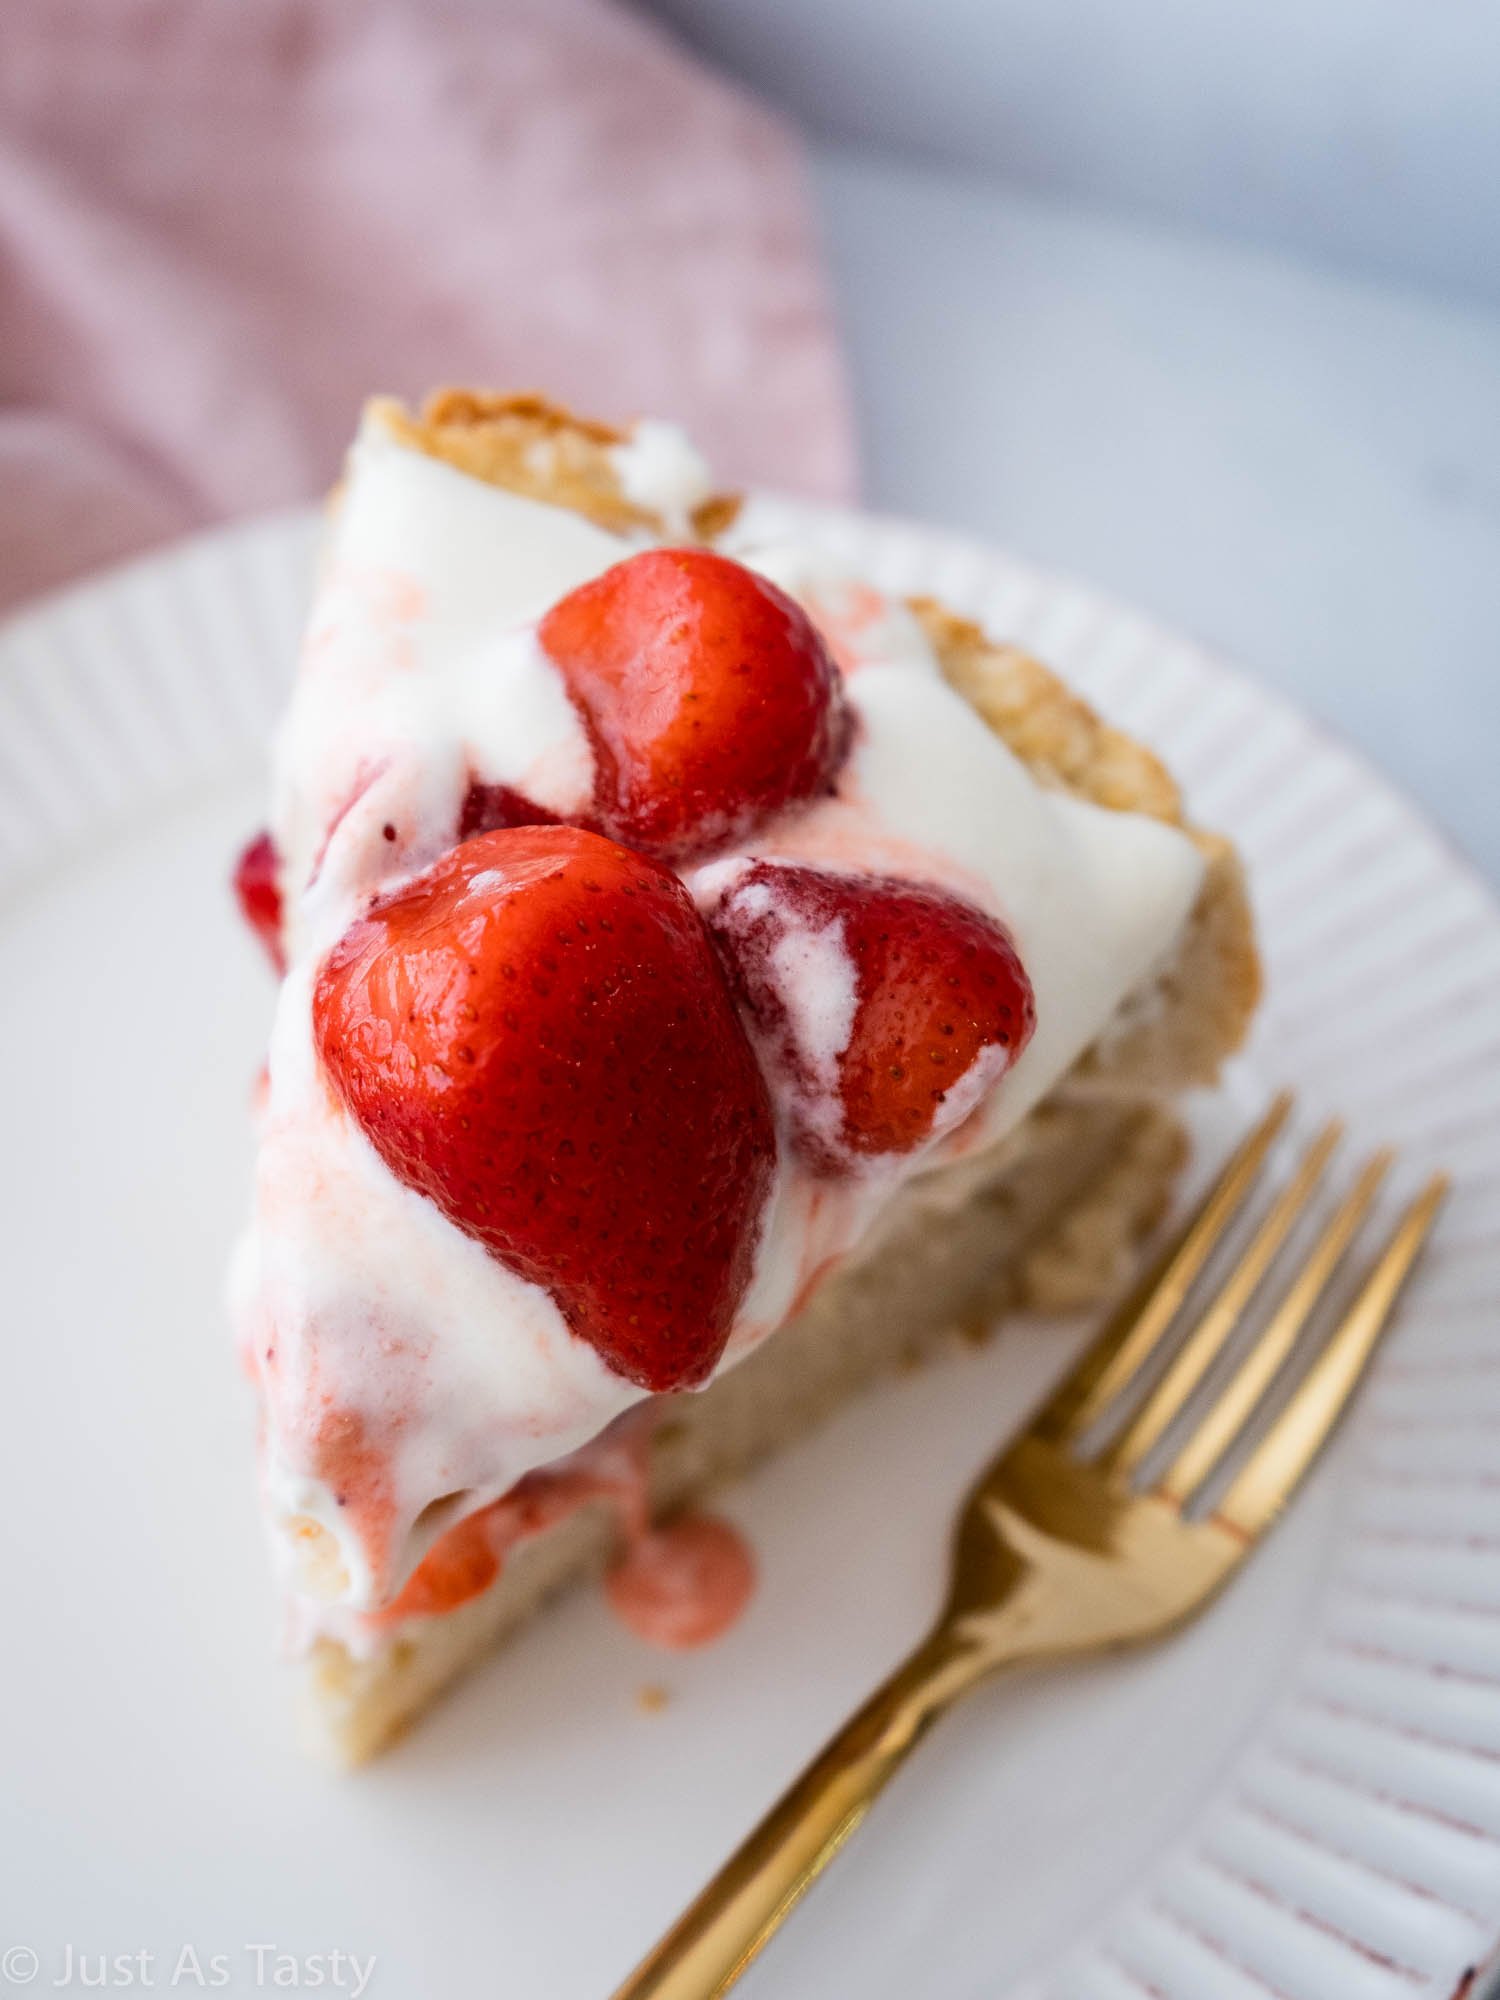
(419, 671)
(661, 469)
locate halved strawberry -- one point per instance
(257, 889)
(887, 1008)
(537, 1035)
(487, 808)
(709, 698)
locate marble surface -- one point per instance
(1300, 469)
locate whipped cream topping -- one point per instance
(407, 1375)
(420, 669)
(661, 469)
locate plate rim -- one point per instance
(284, 529)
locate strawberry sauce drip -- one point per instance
(364, 778)
(356, 1467)
(682, 1585)
(676, 1586)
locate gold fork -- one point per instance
(1060, 1548)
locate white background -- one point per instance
(1201, 302)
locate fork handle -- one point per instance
(720, 1933)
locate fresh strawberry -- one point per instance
(486, 808)
(257, 888)
(886, 1008)
(709, 699)
(537, 1035)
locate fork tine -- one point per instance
(1133, 1330)
(1276, 1468)
(1224, 1422)
(1202, 1348)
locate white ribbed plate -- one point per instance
(1300, 1797)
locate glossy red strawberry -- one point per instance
(886, 1008)
(257, 889)
(709, 699)
(537, 1035)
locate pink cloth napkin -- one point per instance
(224, 222)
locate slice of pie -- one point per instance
(707, 984)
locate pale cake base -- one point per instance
(1050, 1218)
(1054, 1223)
